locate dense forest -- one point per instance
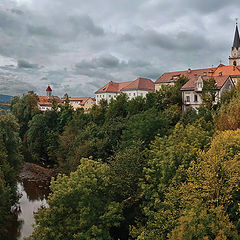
(130, 169)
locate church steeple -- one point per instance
(235, 53)
(236, 42)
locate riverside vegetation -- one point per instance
(138, 169)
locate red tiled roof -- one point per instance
(191, 84)
(174, 76)
(226, 71)
(49, 89)
(46, 99)
(140, 84)
(43, 99)
(113, 87)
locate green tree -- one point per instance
(209, 93)
(169, 158)
(42, 137)
(81, 206)
(10, 163)
(24, 109)
(118, 107)
(126, 171)
(210, 196)
(228, 117)
(144, 127)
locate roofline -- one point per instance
(106, 92)
(144, 89)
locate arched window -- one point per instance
(234, 63)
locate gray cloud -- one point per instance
(25, 64)
(83, 45)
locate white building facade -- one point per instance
(192, 90)
(139, 87)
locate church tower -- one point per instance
(49, 91)
(234, 59)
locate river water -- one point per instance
(33, 196)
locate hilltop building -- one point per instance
(226, 77)
(138, 87)
(191, 91)
(45, 103)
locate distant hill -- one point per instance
(5, 98)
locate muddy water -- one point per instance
(33, 194)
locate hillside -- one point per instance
(5, 98)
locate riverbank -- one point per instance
(34, 172)
(33, 189)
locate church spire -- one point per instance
(234, 59)
(236, 42)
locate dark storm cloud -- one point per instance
(25, 64)
(84, 44)
(205, 6)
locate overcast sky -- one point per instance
(77, 46)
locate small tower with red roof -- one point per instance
(49, 91)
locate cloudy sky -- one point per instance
(77, 46)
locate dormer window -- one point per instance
(199, 84)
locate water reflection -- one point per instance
(33, 196)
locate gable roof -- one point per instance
(191, 84)
(223, 70)
(174, 76)
(47, 101)
(112, 87)
(138, 84)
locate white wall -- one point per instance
(131, 94)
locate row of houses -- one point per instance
(46, 103)
(226, 78)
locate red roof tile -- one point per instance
(174, 76)
(226, 71)
(46, 99)
(112, 87)
(140, 84)
(191, 84)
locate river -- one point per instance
(33, 190)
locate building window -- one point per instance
(134, 94)
(235, 63)
(195, 98)
(129, 94)
(187, 98)
(199, 85)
